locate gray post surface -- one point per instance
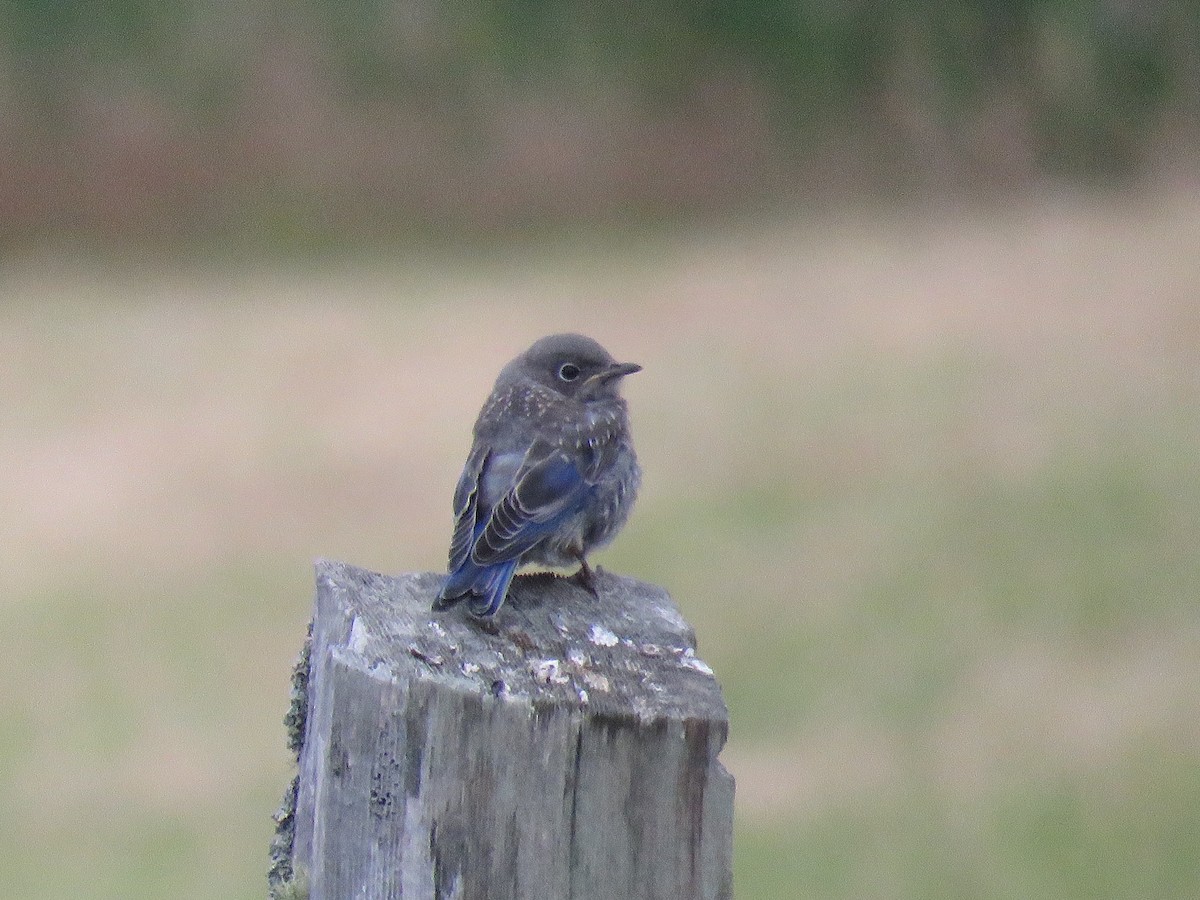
(567, 751)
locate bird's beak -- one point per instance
(615, 371)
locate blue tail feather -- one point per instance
(484, 587)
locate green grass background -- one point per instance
(925, 481)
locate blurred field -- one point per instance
(925, 482)
(245, 128)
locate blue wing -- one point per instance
(503, 509)
(545, 490)
(466, 507)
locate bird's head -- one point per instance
(574, 366)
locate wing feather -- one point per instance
(466, 507)
(546, 487)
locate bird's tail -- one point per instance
(484, 588)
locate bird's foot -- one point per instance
(487, 625)
(586, 578)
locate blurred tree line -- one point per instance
(285, 121)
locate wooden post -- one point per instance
(566, 752)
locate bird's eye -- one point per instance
(568, 371)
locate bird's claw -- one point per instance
(586, 578)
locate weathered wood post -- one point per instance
(569, 752)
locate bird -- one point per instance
(551, 474)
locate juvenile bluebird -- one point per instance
(551, 474)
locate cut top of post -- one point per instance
(624, 653)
